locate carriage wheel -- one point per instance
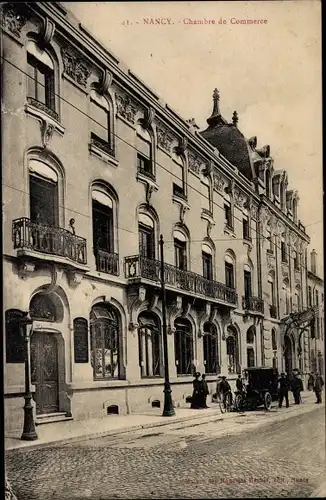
(267, 401)
(238, 402)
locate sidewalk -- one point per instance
(70, 431)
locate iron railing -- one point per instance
(254, 304)
(27, 235)
(43, 107)
(107, 262)
(137, 266)
(146, 173)
(101, 144)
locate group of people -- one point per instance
(315, 382)
(200, 392)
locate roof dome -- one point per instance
(228, 139)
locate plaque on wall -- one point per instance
(81, 340)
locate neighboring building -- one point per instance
(95, 167)
(316, 300)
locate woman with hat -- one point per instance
(196, 393)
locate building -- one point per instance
(96, 167)
(316, 300)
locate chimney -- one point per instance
(313, 261)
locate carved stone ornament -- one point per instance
(194, 163)
(285, 270)
(164, 138)
(75, 66)
(126, 107)
(47, 31)
(150, 189)
(218, 182)
(254, 211)
(75, 278)
(297, 276)
(203, 317)
(148, 120)
(12, 18)
(182, 146)
(227, 321)
(25, 269)
(136, 298)
(105, 82)
(173, 311)
(209, 228)
(239, 198)
(270, 261)
(183, 209)
(47, 133)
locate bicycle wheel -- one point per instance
(220, 402)
(228, 403)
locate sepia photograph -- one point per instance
(163, 281)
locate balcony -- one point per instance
(178, 192)
(144, 168)
(253, 304)
(273, 311)
(101, 144)
(29, 237)
(138, 267)
(107, 262)
(43, 107)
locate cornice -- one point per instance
(313, 276)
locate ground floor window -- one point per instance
(250, 357)
(105, 329)
(183, 347)
(150, 345)
(232, 351)
(210, 347)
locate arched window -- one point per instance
(210, 347)
(247, 281)
(178, 176)
(183, 346)
(268, 184)
(180, 249)
(229, 271)
(150, 345)
(274, 342)
(145, 163)
(40, 79)
(43, 308)
(103, 218)
(146, 231)
(206, 197)
(271, 286)
(105, 338)
(284, 254)
(251, 335)
(246, 233)
(101, 136)
(207, 258)
(232, 350)
(43, 194)
(15, 345)
(228, 212)
(250, 357)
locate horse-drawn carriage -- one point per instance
(261, 389)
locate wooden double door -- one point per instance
(44, 372)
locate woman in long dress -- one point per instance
(196, 393)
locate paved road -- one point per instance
(282, 459)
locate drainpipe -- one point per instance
(259, 280)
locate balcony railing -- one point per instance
(43, 107)
(273, 311)
(101, 144)
(29, 235)
(254, 304)
(107, 262)
(137, 266)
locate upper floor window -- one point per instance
(274, 342)
(180, 250)
(268, 183)
(228, 213)
(309, 296)
(43, 193)
(206, 201)
(207, 262)
(146, 236)
(247, 281)
(298, 298)
(40, 80)
(285, 292)
(229, 272)
(317, 298)
(270, 248)
(103, 229)
(100, 125)
(296, 260)
(271, 290)
(245, 227)
(178, 176)
(284, 255)
(144, 152)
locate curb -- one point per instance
(58, 442)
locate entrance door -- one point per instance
(44, 372)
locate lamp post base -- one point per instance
(29, 432)
(168, 410)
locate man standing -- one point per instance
(204, 391)
(310, 382)
(239, 385)
(297, 387)
(318, 387)
(283, 391)
(225, 391)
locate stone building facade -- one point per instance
(95, 167)
(316, 300)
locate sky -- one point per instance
(270, 73)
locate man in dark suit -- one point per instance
(283, 391)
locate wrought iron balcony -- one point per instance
(43, 107)
(179, 192)
(273, 311)
(137, 266)
(253, 304)
(27, 235)
(101, 144)
(107, 262)
(145, 169)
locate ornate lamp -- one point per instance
(29, 433)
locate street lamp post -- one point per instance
(168, 410)
(29, 433)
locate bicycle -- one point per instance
(225, 402)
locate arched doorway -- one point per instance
(288, 355)
(150, 345)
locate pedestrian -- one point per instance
(310, 382)
(283, 391)
(225, 391)
(296, 387)
(196, 393)
(204, 391)
(239, 385)
(318, 387)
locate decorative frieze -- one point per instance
(75, 66)
(164, 138)
(126, 106)
(195, 163)
(285, 270)
(297, 276)
(254, 210)
(219, 182)
(270, 261)
(12, 18)
(239, 198)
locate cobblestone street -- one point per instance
(281, 459)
